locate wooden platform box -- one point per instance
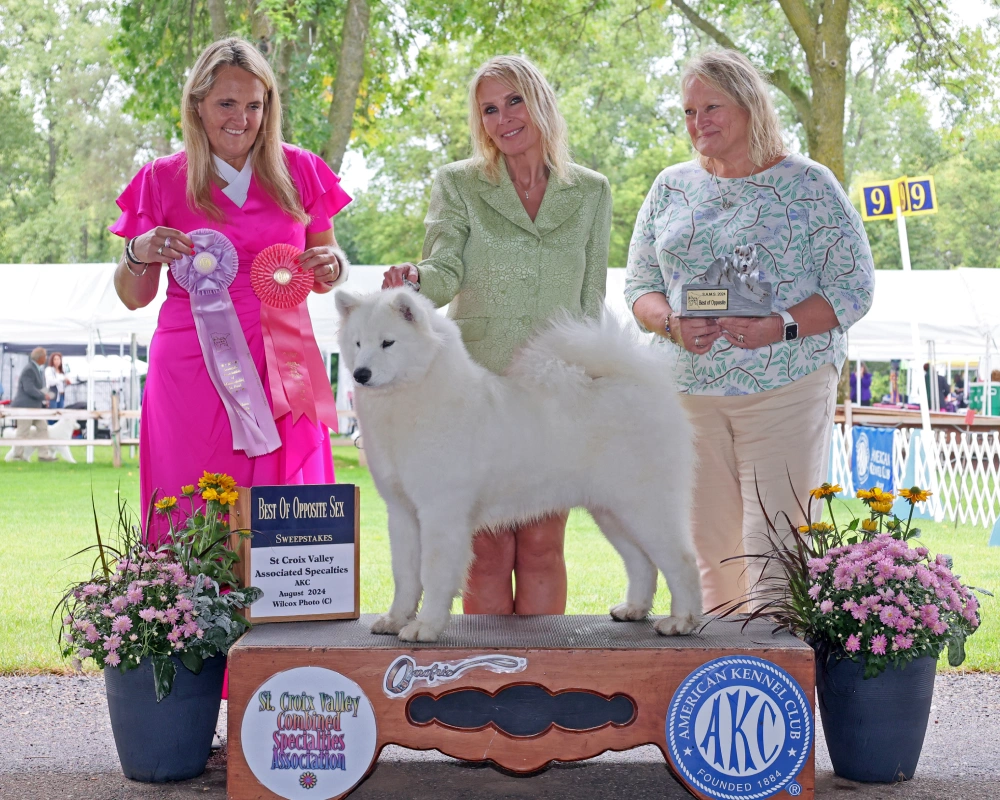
(311, 704)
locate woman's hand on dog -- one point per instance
(395, 277)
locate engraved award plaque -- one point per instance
(729, 288)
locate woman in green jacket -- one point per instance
(514, 234)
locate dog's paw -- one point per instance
(417, 631)
(626, 612)
(677, 626)
(389, 625)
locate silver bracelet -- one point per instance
(130, 259)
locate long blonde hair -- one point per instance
(732, 74)
(519, 75)
(266, 157)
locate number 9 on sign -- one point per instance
(923, 199)
(877, 201)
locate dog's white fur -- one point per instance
(62, 429)
(583, 417)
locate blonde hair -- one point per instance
(519, 75)
(266, 157)
(732, 74)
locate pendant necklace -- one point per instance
(532, 186)
(726, 202)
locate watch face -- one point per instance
(791, 331)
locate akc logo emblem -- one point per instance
(740, 728)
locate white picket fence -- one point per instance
(963, 472)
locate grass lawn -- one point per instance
(45, 516)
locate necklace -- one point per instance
(531, 187)
(726, 202)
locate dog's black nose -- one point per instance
(362, 375)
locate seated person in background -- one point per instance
(944, 389)
(959, 393)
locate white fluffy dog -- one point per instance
(583, 417)
(62, 429)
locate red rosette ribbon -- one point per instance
(295, 369)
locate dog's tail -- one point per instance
(593, 348)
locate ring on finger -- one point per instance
(697, 341)
(160, 251)
(166, 243)
(740, 338)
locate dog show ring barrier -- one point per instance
(312, 704)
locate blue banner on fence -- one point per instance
(872, 458)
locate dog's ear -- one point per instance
(404, 305)
(346, 302)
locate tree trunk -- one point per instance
(826, 54)
(350, 72)
(217, 13)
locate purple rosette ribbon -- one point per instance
(207, 276)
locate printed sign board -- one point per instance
(872, 458)
(915, 197)
(303, 551)
(309, 732)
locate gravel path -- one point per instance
(57, 743)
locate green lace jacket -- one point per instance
(503, 274)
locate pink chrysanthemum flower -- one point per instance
(878, 645)
(121, 624)
(853, 644)
(112, 659)
(902, 642)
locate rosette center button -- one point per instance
(205, 263)
(282, 276)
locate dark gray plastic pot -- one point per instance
(170, 740)
(874, 728)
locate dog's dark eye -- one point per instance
(358, 344)
(386, 343)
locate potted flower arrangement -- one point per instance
(159, 620)
(878, 612)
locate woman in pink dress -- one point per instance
(234, 176)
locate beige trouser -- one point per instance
(25, 431)
(749, 444)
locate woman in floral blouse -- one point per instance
(760, 391)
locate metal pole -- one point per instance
(90, 393)
(988, 381)
(918, 385)
(133, 394)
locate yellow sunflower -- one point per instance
(229, 498)
(207, 479)
(881, 507)
(210, 494)
(165, 504)
(188, 490)
(915, 494)
(826, 490)
(869, 525)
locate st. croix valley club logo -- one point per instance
(740, 728)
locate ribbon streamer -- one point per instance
(295, 369)
(207, 276)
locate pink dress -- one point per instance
(184, 427)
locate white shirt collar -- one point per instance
(239, 182)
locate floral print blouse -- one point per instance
(809, 240)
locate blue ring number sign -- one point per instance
(915, 197)
(740, 728)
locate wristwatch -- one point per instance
(791, 326)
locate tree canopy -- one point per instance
(90, 89)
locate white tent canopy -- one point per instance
(69, 303)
